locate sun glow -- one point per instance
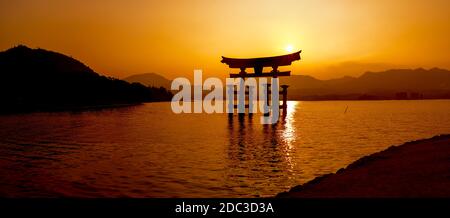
(289, 48)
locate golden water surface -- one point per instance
(148, 151)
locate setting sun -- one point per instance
(289, 48)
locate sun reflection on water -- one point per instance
(288, 133)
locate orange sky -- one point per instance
(338, 37)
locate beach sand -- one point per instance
(415, 169)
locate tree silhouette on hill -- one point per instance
(37, 79)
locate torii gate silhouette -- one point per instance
(258, 64)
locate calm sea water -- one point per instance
(147, 151)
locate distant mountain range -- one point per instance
(391, 84)
(37, 79)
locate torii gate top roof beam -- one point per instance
(274, 62)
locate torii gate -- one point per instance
(258, 64)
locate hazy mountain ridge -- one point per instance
(423, 83)
(432, 83)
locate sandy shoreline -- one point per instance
(415, 169)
